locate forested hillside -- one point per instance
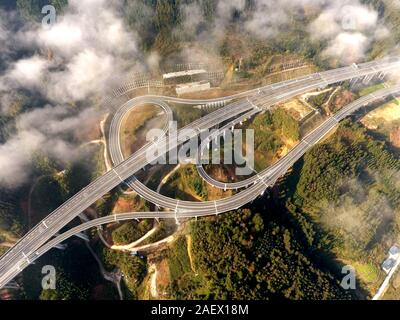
(248, 255)
(346, 198)
(338, 206)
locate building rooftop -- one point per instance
(388, 264)
(183, 73)
(394, 250)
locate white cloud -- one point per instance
(54, 131)
(349, 47)
(267, 19)
(349, 27)
(88, 73)
(226, 8)
(90, 45)
(65, 38)
(15, 158)
(28, 72)
(88, 50)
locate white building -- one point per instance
(394, 252)
(394, 255)
(183, 73)
(388, 264)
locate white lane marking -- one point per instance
(262, 180)
(252, 104)
(26, 257)
(216, 209)
(44, 223)
(118, 175)
(176, 211)
(115, 217)
(307, 143)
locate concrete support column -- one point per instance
(82, 236)
(11, 285)
(60, 246)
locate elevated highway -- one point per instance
(268, 180)
(26, 250)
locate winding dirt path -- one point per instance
(189, 250)
(128, 247)
(153, 280)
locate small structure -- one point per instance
(394, 252)
(388, 264)
(183, 73)
(184, 76)
(394, 255)
(192, 87)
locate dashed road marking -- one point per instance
(118, 175)
(262, 180)
(26, 257)
(176, 211)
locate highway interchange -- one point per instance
(33, 244)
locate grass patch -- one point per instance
(134, 121)
(367, 272)
(370, 89)
(131, 231)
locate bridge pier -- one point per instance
(60, 246)
(367, 78)
(12, 285)
(83, 217)
(82, 236)
(381, 75)
(353, 82)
